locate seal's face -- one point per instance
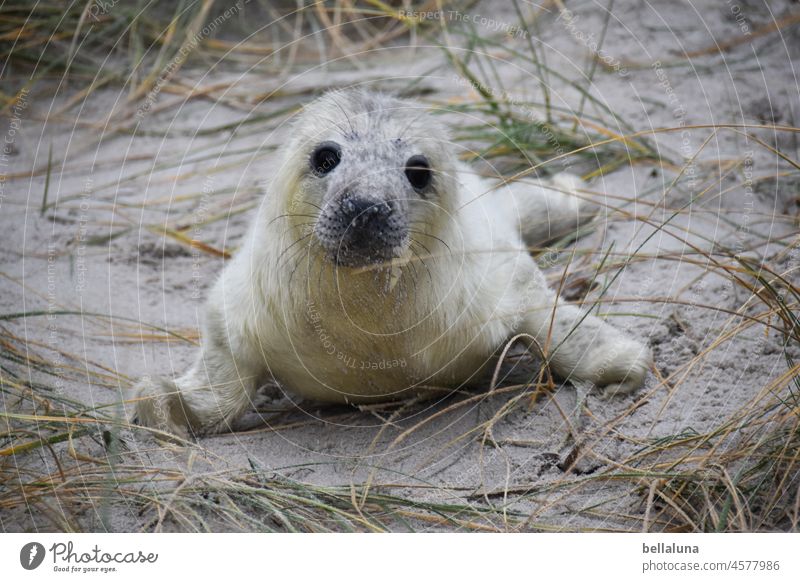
(367, 200)
(373, 171)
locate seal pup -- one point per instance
(380, 267)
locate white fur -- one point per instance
(419, 327)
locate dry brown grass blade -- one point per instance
(726, 45)
(189, 241)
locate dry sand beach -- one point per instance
(126, 188)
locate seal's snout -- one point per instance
(358, 230)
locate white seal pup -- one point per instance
(378, 267)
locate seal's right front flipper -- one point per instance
(158, 404)
(206, 399)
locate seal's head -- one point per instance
(371, 170)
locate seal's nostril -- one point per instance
(364, 211)
(349, 207)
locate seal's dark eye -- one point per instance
(418, 172)
(325, 157)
